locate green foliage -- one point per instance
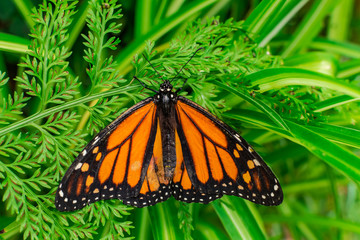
(301, 111)
(186, 220)
(46, 77)
(101, 69)
(38, 155)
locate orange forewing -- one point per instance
(126, 127)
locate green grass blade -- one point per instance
(143, 17)
(342, 48)
(349, 68)
(334, 102)
(260, 120)
(204, 230)
(321, 62)
(309, 27)
(160, 12)
(78, 24)
(261, 16)
(166, 25)
(163, 222)
(311, 185)
(237, 219)
(341, 159)
(260, 105)
(316, 221)
(287, 12)
(336, 156)
(340, 20)
(142, 226)
(15, 44)
(343, 135)
(276, 78)
(25, 6)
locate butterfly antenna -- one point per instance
(178, 90)
(153, 67)
(185, 64)
(144, 86)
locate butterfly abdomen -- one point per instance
(167, 126)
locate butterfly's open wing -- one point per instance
(216, 160)
(155, 187)
(115, 163)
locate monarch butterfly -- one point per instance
(167, 145)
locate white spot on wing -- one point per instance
(256, 162)
(61, 193)
(84, 152)
(96, 140)
(78, 166)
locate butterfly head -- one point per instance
(165, 96)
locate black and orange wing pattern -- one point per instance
(155, 186)
(214, 161)
(114, 164)
(167, 146)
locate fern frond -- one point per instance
(220, 57)
(110, 214)
(12, 145)
(55, 141)
(101, 24)
(294, 103)
(46, 62)
(12, 108)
